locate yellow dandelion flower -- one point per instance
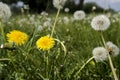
(17, 37)
(45, 43)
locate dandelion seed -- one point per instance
(112, 48)
(100, 23)
(5, 12)
(99, 53)
(17, 37)
(79, 15)
(45, 43)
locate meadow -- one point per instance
(66, 60)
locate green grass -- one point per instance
(29, 63)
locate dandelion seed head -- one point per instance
(59, 3)
(79, 15)
(40, 28)
(99, 53)
(66, 10)
(66, 20)
(100, 23)
(94, 8)
(5, 12)
(47, 24)
(112, 48)
(44, 13)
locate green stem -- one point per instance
(41, 76)
(53, 28)
(5, 59)
(47, 64)
(62, 44)
(64, 49)
(110, 60)
(83, 66)
(2, 32)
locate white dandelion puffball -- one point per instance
(99, 53)
(100, 23)
(66, 20)
(79, 15)
(5, 12)
(40, 28)
(94, 8)
(47, 24)
(66, 10)
(43, 13)
(59, 3)
(112, 48)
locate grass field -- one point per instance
(74, 43)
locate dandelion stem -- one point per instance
(5, 59)
(47, 64)
(110, 60)
(41, 76)
(2, 31)
(83, 66)
(64, 48)
(53, 28)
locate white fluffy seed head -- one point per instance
(99, 53)
(59, 3)
(66, 9)
(100, 23)
(40, 28)
(79, 15)
(112, 48)
(5, 12)
(66, 20)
